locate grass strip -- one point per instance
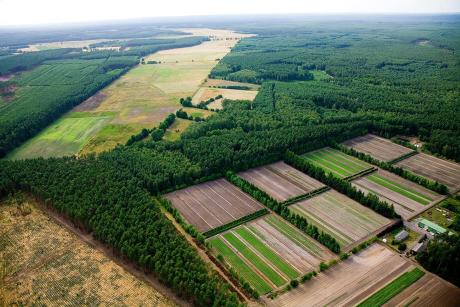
(399, 189)
(240, 266)
(392, 289)
(347, 161)
(326, 165)
(267, 253)
(254, 259)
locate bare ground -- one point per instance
(349, 282)
(377, 147)
(434, 168)
(211, 204)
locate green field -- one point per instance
(398, 188)
(336, 162)
(267, 253)
(63, 138)
(240, 266)
(392, 289)
(254, 259)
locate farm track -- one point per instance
(377, 147)
(281, 181)
(443, 171)
(212, 204)
(349, 282)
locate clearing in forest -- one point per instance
(42, 263)
(269, 252)
(212, 204)
(377, 147)
(206, 93)
(336, 162)
(349, 282)
(408, 198)
(343, 218)
(443, 171)
(281, 181)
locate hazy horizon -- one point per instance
(12, 12)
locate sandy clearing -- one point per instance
(377, 147)
(434, 168)
(211, 204)
(220, 82)
(281, 181)
(349, 282)
(430, 290)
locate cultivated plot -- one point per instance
(408, 198)
(429, 290)
(281, 181)
(212, 204)
(377, 147)
(268, 252)
(42, 263)
(346, 220)
(336, 162)
(349, 282)
(445, 172)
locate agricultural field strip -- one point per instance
(393, 288)
(201, 201)
(281, 181)
(349, 282)
(445, 172)
(406, 191)
(263, 266)
(377, 147)
(239, 265)
(254, 243)
(292, 252)
(405, 208)
(337, 162)
(430, 290)
(341, 237)
(334, 213)
(306, 243)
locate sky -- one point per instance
(29, 12)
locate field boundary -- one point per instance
(235, 223)
(305, 196)
(361, 174)
(403, 157)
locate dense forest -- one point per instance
(320, 85)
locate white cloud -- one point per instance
(16, 12)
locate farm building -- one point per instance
(419, 247)
(430, 226)
(401, 236)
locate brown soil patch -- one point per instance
(281, 181)
(377, 147)
(45, 263)
(91, 103)
(212, 204)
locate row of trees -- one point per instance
(295, 219)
